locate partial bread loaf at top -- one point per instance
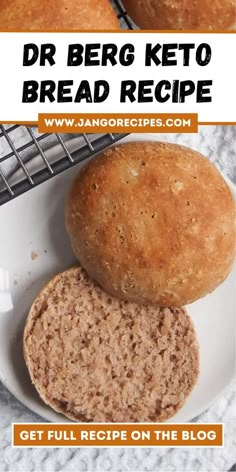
(152, 223)
(182, 14)
(57, 15)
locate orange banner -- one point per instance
(109, 435)
(118, 123)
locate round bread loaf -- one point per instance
(57, 15)
(95, 358)
(180, 15)
(152, 223)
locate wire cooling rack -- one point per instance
(125, 21)
(31, 158)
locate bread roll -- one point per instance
(181, 15)
(57, 15)
(152, 223)
(95, 358)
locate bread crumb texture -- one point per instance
(34, 255)
(95, 358)
(152, 222)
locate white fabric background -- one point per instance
(218, 143)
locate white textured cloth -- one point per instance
(219, 144)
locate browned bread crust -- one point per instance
(57, 15)
(182, 14)
(95, 358)
(152, 223)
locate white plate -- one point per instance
(34, 223)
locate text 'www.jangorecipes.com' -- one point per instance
(73, 123)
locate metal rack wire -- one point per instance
(125, 21)
(15, 174)
(16, 156)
